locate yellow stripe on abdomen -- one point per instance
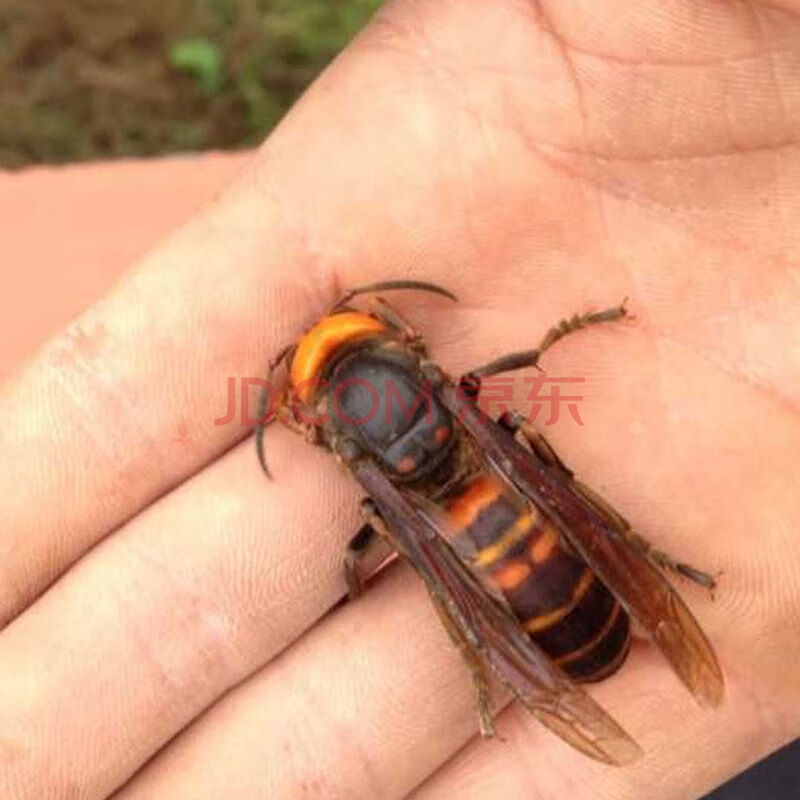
(494, 552)
(547, 620)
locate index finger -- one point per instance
(120, 406)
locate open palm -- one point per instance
(538, 159)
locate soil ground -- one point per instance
(91, 79)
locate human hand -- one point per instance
(536, 159)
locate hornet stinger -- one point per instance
(535, 577)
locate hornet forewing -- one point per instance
(491, 631)
(640, 586)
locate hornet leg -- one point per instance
(366, 552)
(475, 665)
(515, 423)
(668, 562)
(530, 358)
(388, 314)
(657, 557)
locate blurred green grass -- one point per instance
(90, 79)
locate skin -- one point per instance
(161, 598)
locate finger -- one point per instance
(373, 701)
(120, 406)
(367, 704)
(687, 752)
(166, 615)
(645, 697)
(184, 601)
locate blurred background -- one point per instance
(93, 79)
(84, 80)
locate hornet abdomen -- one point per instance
(557, 598)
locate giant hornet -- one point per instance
(535, 577)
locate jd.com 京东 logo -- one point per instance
(497, 396)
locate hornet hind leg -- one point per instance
(515, 423)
